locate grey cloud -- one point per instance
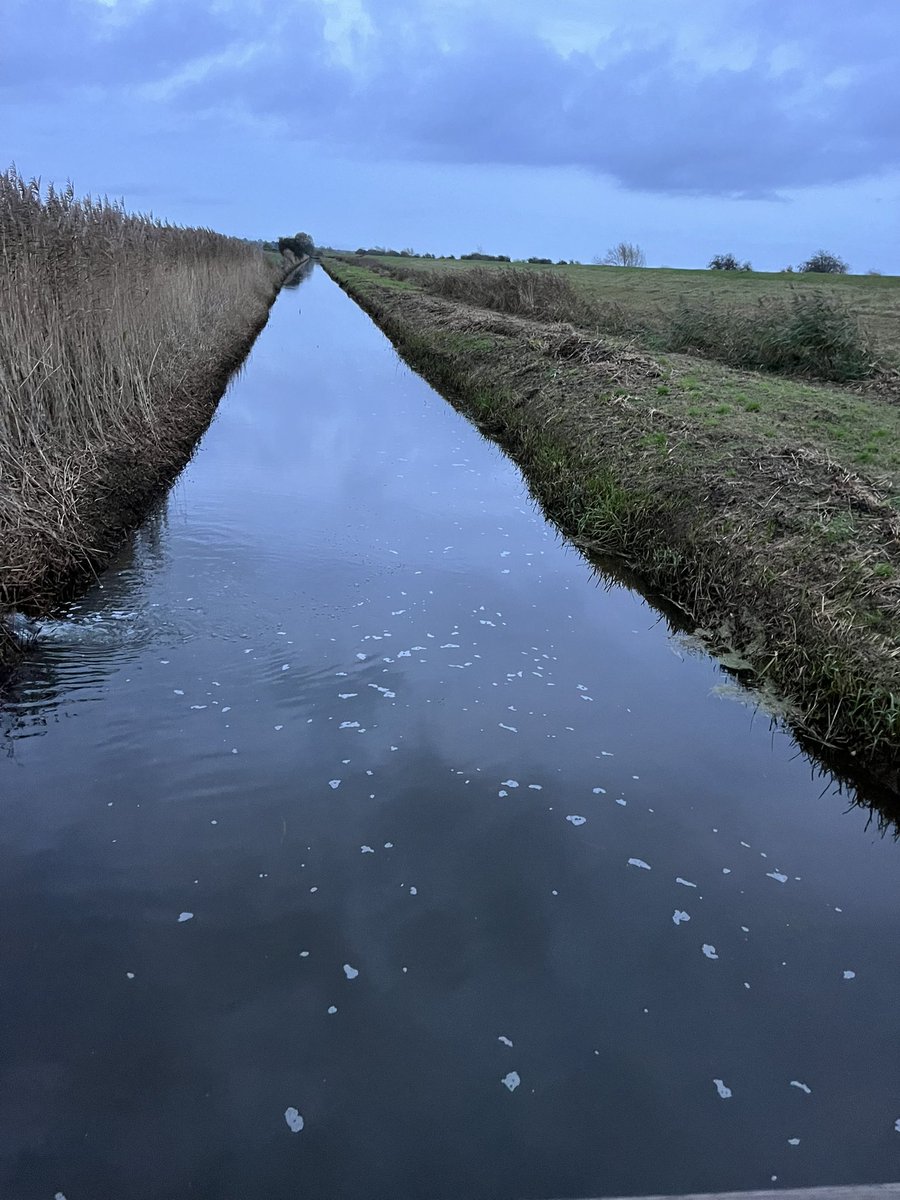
(495, 93)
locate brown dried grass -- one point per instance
(117, 333)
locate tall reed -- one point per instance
(117, 333)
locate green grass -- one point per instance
(649, 296)
(860, 427)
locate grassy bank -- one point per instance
(117, 336)
(763, 508)
(833, 327)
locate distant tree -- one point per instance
(300, 244)
(823, 263)
(624, 254)
(543, 261)
(872, 271)
(727, 262)
(788, 270)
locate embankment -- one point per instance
(783, 561)
(118, 335)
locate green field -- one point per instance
(648, 296)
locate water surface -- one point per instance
(349, 790)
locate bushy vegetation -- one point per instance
(117, 333)
(806, 333)
(823, 263)
(545, 295)
(386, 252)
(301, 245)
(728, 262)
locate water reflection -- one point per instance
(371, 800)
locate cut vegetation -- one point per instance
(764, 507)
(117, 336)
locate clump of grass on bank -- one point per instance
(745, 516)
(117, 335)
(806, 333)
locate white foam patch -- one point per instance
(510, 783)
(849, 974)
(684, 882)
(293, 1119)
(511, 1080)
(334, 783)
(599, 791)
(185, 916)
(575, 820)
(639, 862)
(802, 1086)
(366, 850)
(350, 972)
(709, 951)
(504, 1040)
(678, 916)
(793, 1141)
(781, 878)
(724, 1092)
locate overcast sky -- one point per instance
(769, 128)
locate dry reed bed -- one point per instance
(741, 540)
(117, 336)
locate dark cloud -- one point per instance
(491, 91)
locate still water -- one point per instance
(356, 842)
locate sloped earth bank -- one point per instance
(774, 554)
(355, 843)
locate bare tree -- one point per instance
(624, 254)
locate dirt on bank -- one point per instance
(784, 562)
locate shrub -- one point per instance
(727, 262)
(541, 294)
(809, 333)
(823, 263)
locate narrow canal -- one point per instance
(356, 842)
